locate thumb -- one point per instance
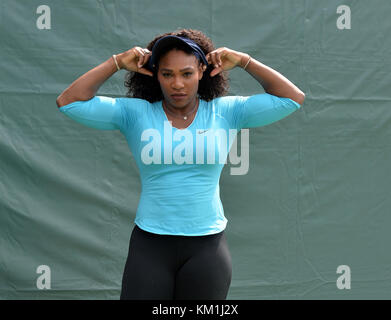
(145, 71)
(215, 71)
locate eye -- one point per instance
(166, 75)
(188, 74)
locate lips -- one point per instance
(178, 96)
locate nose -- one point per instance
(177, 83)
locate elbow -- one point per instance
(63, 100)
(300, 98)
(60, 101)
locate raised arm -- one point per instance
(86, 86)
(272, 81)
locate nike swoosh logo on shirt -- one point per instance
(202, 131)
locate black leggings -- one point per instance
(170, 267)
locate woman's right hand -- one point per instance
(134, 60)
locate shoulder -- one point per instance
(135, 106)
(226, 102)
(226, 107)
(128, 102)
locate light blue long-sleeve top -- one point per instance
(180, 168)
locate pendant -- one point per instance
(185, 118)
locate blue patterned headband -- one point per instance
(166, 41)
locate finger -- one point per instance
(140, 57)
(147, 56)
(209, 57)
(219, 63)
(215, 71)
(139, 51)
(219, 59)
(145, 71)
(136, 57)
(214, 59)
(143, 60)
(134, 52)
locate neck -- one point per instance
(181, 111)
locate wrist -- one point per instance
(244, 60)
(118, 58)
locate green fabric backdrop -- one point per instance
(317, 193)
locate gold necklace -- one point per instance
(175, 115)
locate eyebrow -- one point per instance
(164, 69)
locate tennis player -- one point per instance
(177, 95)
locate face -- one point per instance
(178, 76)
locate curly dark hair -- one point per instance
(148, 88)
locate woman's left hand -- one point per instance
(224, 59)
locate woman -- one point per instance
(176, 88)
